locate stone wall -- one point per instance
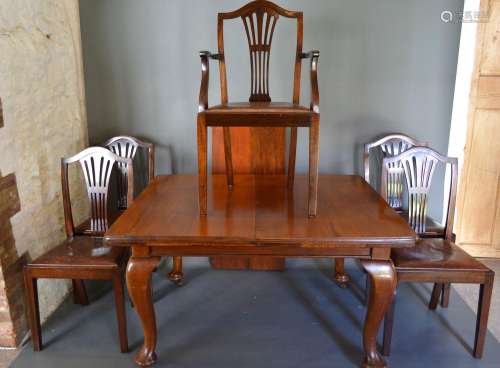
(42, 93)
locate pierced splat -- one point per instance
(259, 20)
(97, 170)
(259, 27)
(419, 169)
(395, 174)
(392, 145)
(97, 164)
(125, 146)
(418, 165)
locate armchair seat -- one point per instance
(259, 114)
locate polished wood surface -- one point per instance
(82, 256)
(256, 150)
(259, 218)
(259, 19)
(258, 211)
(436, 260)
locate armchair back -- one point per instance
(259, 19)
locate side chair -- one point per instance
(259, 19)
(389, 145)
(82, 256)
(127, 146)
(435, 260)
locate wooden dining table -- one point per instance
(260, 217)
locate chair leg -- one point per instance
(445, 298)
(228, 156)
(202, 163)
(483, 311)
(313, 166)
(176, 275)
(79, 292)
(292, 154)
(388, 326)
(118, 282)
(340, 277)
(33, 310)
(436, 293)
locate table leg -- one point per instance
(341, 277)
(176, 275)
(383, 284)
(202, 163)
(139, 271)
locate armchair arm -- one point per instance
(314, 56)
(203, 98)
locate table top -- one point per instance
(259, 216)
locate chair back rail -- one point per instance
(418, 165)
(391, 145)
(97, 164)
(126, 146)
(259, 19)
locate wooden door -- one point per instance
(478, 211)
(254, 151)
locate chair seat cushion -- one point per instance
(435, 254)
(81, 251)
(258, 113)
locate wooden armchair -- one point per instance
(390, 145)
(83, 255)
(436, 260)
(259, 19)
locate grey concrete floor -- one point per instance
(297, 318)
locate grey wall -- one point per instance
(385, 66)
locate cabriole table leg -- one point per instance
(139, 271)
(383, 283)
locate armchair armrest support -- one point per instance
(203, 97)
(314, 56)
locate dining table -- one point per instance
(260, 216)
